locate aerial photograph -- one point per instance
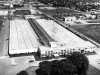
(49, 37)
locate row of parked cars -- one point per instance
(64, 53)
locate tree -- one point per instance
(81, 62)
(39, 53)
(56, 67)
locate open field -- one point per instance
(58, 11)
(92, 31)
(94, 21)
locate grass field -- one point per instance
(59, 11)
(94, 21)
(92, 31)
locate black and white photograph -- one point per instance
(49, 37)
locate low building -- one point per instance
(70, 19)
(63, 50)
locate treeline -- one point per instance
(60, 2)
(73, 4)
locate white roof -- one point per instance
(22, 51)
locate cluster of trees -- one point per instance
(74, 4)
(87, 7)
(74, 64)
(60, 2)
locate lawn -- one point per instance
(92, 31)
(94, 21)
(59, 11)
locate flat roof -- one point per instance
(22, 37)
